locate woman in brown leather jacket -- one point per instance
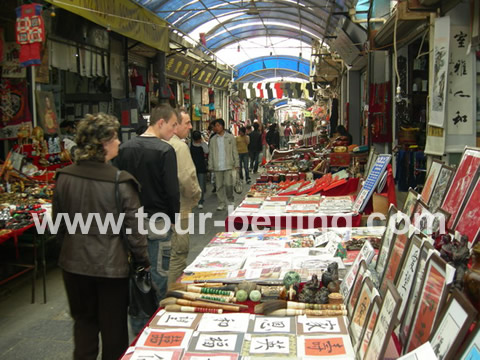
(94, 258)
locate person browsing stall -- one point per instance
(95, 265)
(190, 194)
(154, 164)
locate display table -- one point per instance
(237, 222)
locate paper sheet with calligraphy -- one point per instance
(216, 342)
(328, 347)
(224, 322)
(165, 338)
(460, 117)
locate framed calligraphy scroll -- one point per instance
(366, 336)
(432, 296)
(310, 325)
(387, 241)
(406, 276)
(471, 347)
(441, 187)
(386, 320)
(452, 327)
(463, 179)
(362, 309)
(431, 179)
(396, 258)
(357, 284)
(213, 342)
(325, 346)
(406, 320)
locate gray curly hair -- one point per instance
(92, 132)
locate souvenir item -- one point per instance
(362, 309)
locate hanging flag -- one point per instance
(30, 33)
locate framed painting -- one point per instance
(387, 241)
(383, 328)
(410, 201)
(422, 218)
(432, 176)
(357, 284)
(452, 327)
(366, 335)
(467, 222)
(440, 221)
(367, 252)
(47, 115)
(363, 306)
(471, 348)
(425, 250)
(396, 258)
(441, 187)
(405, 279)
(463, 179)
(431, 298)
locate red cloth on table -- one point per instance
(345, 189)
(388, 192)
(233, 223)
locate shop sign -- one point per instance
(221, 79)
(178, 67)
(11, 65)
(203, 74)
(143, 25)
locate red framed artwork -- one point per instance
(430, 301)
(467, 223)
(362, 345)
(431, 179)
(352, 299)
(461, 183)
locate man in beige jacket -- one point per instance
(190, 193)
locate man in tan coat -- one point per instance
(190, 193)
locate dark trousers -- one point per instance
(244, 166)
(254, 160)
(98, 305)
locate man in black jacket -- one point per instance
(273, 138)
(154, 164)
(255, 147)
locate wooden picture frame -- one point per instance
(405, 278)
(467, 222)
(464, 177)
(437, 229)
(362, 309)
(396, 257)
(410, 202)
(47, 119)
(422, 218)
(431, 179)
(406, 319)
(433, 293)
(441, 187)
(362, 345)
(387, 241)
(453, 325)
(386, 320)
(471, 347)
(367, 252)
(357, 284)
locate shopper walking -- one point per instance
(199, 152)
(154, 164)
(223, 160)
(190, 193)
(95, 265)
(273, 138)
(242, 141)
(255, 147)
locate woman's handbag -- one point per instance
(238, 187)
(144, 300)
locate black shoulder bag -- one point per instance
(144, 300)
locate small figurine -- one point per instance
(446, 248)
(331, 274)
(460, 256)
(310, 289)
(321, 297)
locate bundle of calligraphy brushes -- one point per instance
(202, 304)
(192, 309)
(198, 296)
(283, 307)
(209, 290)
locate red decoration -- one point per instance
(30, 33)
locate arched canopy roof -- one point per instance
(264, 68)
